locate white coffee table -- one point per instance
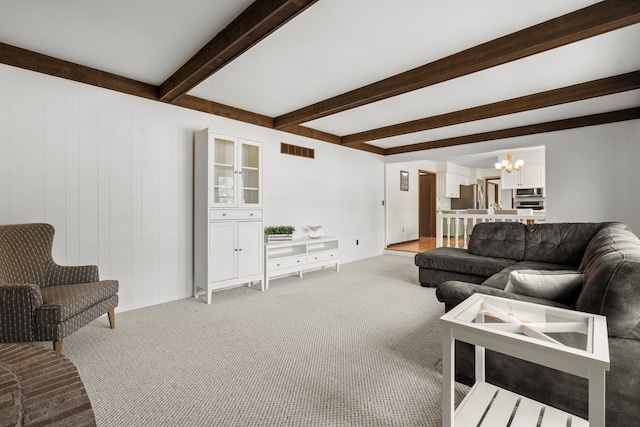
(566, 340)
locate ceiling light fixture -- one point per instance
(508, 165)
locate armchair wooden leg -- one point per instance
(112, 318)
(57, 346)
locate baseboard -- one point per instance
(399, 253)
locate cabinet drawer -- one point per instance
(279, 264)
(215, 214)
(322, 256)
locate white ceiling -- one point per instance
(145, 40)
(332, 47)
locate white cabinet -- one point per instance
(463, 180)
(228, 232)
(449, 184)
(529, 176)
(235, 178)
(532, 176)
(509, 181)
(299, 255)
(235, 250)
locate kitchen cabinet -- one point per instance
(529, 176)
(449, 184)
(532, 176)
(228, 231)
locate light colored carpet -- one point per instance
(356, 348)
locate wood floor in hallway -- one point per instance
(421, 245)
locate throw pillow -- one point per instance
(554, 285)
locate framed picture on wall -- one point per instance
(404, 181)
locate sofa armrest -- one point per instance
(71, 275)
(18, 305)
(453, 293)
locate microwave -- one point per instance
(528, 192)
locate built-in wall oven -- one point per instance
(535, 203)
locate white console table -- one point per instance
(566, 340)
(299, 255)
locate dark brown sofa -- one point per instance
(608, 255)
(41, 300)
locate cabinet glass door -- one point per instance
(223, 176)
(249, 177)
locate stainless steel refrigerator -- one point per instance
(469, 198)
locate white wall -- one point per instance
(342, 189)
(402, 206)
(592, 174)
(113, 174)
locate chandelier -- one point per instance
(508, 165)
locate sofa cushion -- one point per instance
(554, 285)
(498, 240)
(558, 243)
(460, 261)
(432, 278)
(65, 301)
(453, 293)
(501, 278)
(612, 282)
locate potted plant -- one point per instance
(279, 233)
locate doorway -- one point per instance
(426, 204)
(492, 191)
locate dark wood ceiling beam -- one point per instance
(574, 93)
(572, 123)
(597, 19)
(315, 134)
(29, 60)
(199, 104)
(255, 23)
(210, 107)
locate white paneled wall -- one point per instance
(113, 174)
(402, 214)
(341, 189)
(592, 174)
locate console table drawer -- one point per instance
(215, 214)
(279, 264)
(322, 256)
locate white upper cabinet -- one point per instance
(509, 181)
(532, 176)
(449, 184)
(236, 179)
(529, 176)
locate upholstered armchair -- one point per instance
(41, 300)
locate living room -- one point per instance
(114, 172)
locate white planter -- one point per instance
(279, 237)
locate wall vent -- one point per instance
(296, 150)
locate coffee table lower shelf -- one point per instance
(503, 408)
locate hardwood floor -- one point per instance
(421, 245)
